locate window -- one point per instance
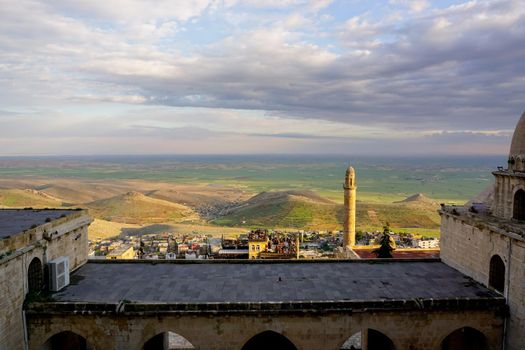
(497, 274)
(519, 205)
(35, 279)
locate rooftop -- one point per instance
(219, 285)
(120, 250)
(13, 221)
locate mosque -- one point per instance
(472, 298)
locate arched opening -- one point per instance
(35, 280)
(269, 340)
(497, 274)
(66, 341)
(369, 339)
(355, 342)
(168, 341)
(465, 339)
(519, 205)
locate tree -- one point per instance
(385, 248)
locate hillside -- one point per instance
(102, 229)
(137, 208)
(302, 209)
(15, 197)
(310, 211)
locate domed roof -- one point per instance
(518, 140)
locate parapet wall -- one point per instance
(468, 244)
(65, 236)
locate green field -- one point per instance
(379, 180)
(217, 189)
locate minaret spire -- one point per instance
(350, 189)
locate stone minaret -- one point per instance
(350, 198)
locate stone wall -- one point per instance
(408, 330)
(506, 186)
(65, 237)
(468, 246)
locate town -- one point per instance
(256, 244)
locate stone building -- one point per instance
(125, 251)
(29, 239)
(486, 241)
(257, 243)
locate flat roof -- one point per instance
(14, 221)
(304, 281)
(120, 250)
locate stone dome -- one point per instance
(517, 148)
(518, 140)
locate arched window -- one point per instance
(519, 205)
(465, 339)
(35, 279)
(66, 340)
(168, 341)
(497, 274)
(269, 340)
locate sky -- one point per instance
(345, 77)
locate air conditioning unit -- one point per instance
(58, 273)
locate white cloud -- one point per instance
(306, 73)
(413, 5)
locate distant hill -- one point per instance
(419, 199)
(70, 194)
(306, 209)
(199, 196)
(302, 209)
(406, 215)
(15, 197)
(486, 197)
(137, 208)
(77, 192)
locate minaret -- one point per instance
(350, 198)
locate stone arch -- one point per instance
(35, 276)
(376, 340)
(465, 338)
(369, 339)
(355, 342)
(519, 205)
(168, 341)
(269, 340)
(66, 340)
(497, 273)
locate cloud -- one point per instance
(297, 69)
(413, 5)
